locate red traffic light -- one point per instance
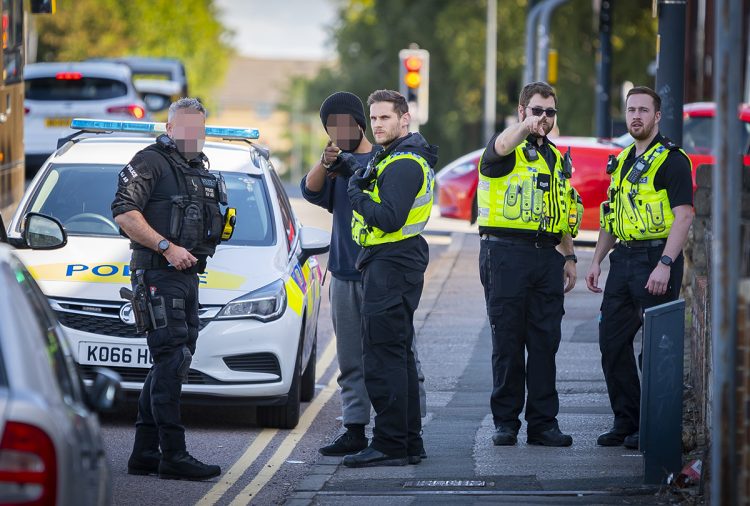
(413, 64)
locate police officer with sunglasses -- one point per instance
(527, 213)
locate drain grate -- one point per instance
(448, 483)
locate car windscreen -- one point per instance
(83, 88)
(80, 196)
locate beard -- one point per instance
(643, 132)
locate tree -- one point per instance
(369, 34)
(188, 30)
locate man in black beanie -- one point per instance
(343, 117)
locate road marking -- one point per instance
(266, 435)
(238, 469)
(286, 446)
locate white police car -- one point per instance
(260, 295)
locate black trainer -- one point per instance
(144, 462)
(183, 466)
(549, 437)
(504, 436)
(347, 443)
(370, 457)
(613, 437)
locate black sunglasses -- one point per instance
(538, 111)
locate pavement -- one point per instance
(463, 467)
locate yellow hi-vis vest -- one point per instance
(532, 197)
(366, 235)
(636, 211)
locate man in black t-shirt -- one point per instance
(649, 208)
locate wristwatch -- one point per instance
(666, 260)
(571, 257)
(163, 246)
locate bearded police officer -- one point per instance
(168, 205)
(391, 202)
(649, 209)
(527, 210)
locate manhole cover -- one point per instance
(448, 484)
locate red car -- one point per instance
(457, 181)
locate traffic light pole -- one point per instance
(490, 80)
(604, 70)
(670, 67)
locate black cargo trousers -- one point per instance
(159, 422)
(523, 289)
(625, 300)
(390, 297)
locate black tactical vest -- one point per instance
(191, 218)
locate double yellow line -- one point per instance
(285, 448)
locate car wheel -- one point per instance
(308, 378)
(285, 416)
(474, 210)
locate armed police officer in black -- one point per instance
(167, 203)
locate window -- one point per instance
(12, 26)
(248, 195)
(83, 88)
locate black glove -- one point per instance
(345, 165)
(356, 183)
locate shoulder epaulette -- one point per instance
(669, 144)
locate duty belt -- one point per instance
(644, 244)
(537, 242)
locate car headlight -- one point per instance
(264, 304)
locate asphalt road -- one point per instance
(259, 465)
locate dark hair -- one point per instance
(394, 97)
(645, 90)
(536, 88)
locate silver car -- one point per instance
(51, 450)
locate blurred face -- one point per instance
(541, 107)
(344, 131)
(641, 116)
(386, 124)
(188, 130)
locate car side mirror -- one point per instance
(43, 232)
(313, 241)
(105, 390)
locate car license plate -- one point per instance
(57, 122)
(127, 355)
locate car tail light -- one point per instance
(28, 466)
(68, 76)
(26, 110)
(134, 110)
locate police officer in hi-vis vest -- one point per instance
(167, 203)
(527, 213)
(649, 208)
(391, 201)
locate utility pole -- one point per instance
(725, 255)
(604, 71)
(490, 66)
(670, 66)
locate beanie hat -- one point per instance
(343, 102)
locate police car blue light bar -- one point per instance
(146, 127)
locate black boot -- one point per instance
(370, 457)
(144, 459)
(183, 466)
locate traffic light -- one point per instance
(414, 78)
